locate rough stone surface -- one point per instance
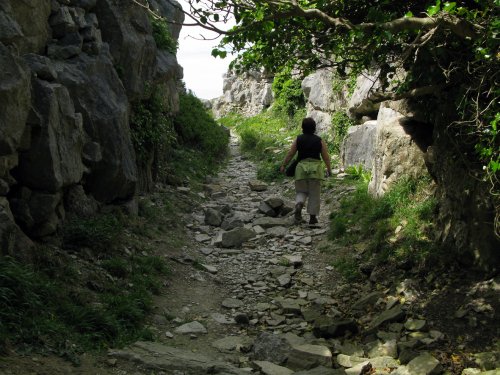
(269, 368)
(192, 327)
(308, 356)
(160, 357)
(424, 364)
(236, 237)
(358, 147)
(272, 348)
(396, 155)
(247, 94)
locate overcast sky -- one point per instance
(202, 72)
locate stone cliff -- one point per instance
(69, 71)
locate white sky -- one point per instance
(202, 72)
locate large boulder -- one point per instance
(54, 158)
(15, 97)
(397, 153)
(360, 103)
(99, 96)
(358, 147)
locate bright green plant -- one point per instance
(162, 35)
(340, 123)
(197, 129)
(151, 125)
(396, 226)
(357, 172)
(288, 94)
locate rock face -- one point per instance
(358, 147)
(322, 99)
(69, 70)
(396, 153)
(247, 94)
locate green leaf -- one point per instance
(432, 10)
(409, 14)
(449, 7)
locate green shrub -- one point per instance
(408, 206)
(340, 123)
(196, 128)
(288, 94)
(151, 125)
(162, 35)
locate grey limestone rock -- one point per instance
(15, 96)
(272, 348)
(358, 147)
(269, 368)
(213, 217)
(396, 314)
(191, 327)
(236, 237)
(307, 356)
(424, 364)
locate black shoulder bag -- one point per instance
(290, 170)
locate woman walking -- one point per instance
(309, 171)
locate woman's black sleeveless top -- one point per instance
(308, 146)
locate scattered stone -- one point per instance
(294, 260)
(233, 343)
(307, 356)
(206, 250)
(367, 300)
(222, 319)
(213, 217)
(415, 325)
(274, 202)
(277, 231)
(306, 240)
(424, 364)
(272, 348)
(232, 303)
(209, 268)
(256, 185)
(202, 237)
(327, 327)
(267, 210)
(379, 349)
(284, 280)
(269, 368)
(268, 222)
(291, 306)
(320, 370)
(169, 334)
(236, 237)
(192, 327)
(350, 360)
(488, 360)
(396, 314)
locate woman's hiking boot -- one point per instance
(298, 212)
(313, 220)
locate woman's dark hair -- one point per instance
(308, 125)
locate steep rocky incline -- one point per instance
(69, 71)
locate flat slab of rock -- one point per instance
(424, 364)
(236, 237)
(209, 268)
(269, 368)
(277, 231)
(222, 319)
(233, 343)
(367, 300)
(415, 324)
(202, 237)
(284, 280)
(294, 260)
(396, 314)
(320, 370)
(151, 355)
(256, 185)
(191, 327)
(307, 356)
(232, 303)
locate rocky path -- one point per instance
(254, 294)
